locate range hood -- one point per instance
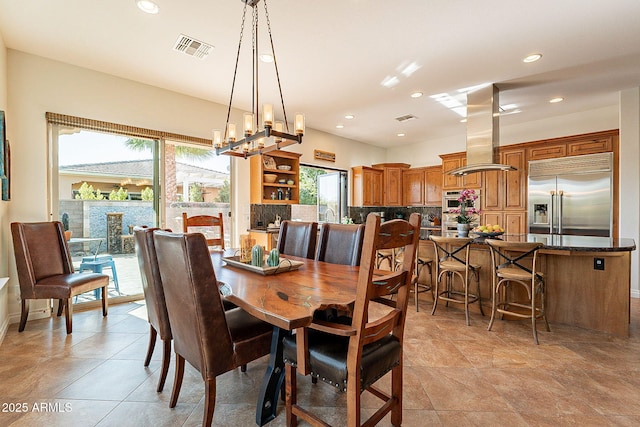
(483, 133)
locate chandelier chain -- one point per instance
(235, 70)
(275, 64)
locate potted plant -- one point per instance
(466, 211)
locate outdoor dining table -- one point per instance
(286, 300)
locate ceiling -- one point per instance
(333, 55)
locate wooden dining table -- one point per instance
(286, 300)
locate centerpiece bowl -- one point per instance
(486, 234)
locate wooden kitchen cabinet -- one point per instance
(433, 186)
(590, 146)
(450, 182)
(506, 190)
(550, 151)
(366, 186)
(422, 186)
(512, 222)
(392, 181)
(413, 187)
(504, 200)
(601, 142)
(261, 190)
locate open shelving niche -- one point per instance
(261, 190)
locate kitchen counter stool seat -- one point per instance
(515, 263)
(454, 267)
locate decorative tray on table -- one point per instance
(284, 265)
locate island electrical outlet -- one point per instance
(598, 263)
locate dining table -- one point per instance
(287, 300)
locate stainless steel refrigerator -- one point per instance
(572, 195)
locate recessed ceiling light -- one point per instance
(339, 126)
(401, 134)
(532, 58)
(416, 94)
(349, 117)
(265, 57)
(147, 6)
(556, 99)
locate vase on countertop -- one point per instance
(463, 230)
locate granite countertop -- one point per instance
(568, 243)
(265, 230)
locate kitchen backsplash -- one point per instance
(261, 215)
(359, 214)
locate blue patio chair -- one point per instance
(96, 264)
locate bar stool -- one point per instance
(385, 255)
(96, 264)
(514, 263)
(453, 263)
(421, 262)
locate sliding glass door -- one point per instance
(103, 185)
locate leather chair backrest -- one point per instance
(198, 323)
(151, 281)
(340, 243)
(40, 251)
(298, 238)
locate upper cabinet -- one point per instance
(600, 142)
(413, 187)
(366, 186)
(450, 182)
(392, 179)
(422, 186)
(275, 178)
(433, 186)
(506, 190)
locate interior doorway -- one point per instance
(323, 195)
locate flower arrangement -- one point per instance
(466, 211)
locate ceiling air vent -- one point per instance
(406, 118)
(192, 47)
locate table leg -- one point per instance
(272, 381)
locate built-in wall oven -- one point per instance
(449, 203)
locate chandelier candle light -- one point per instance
(267, 135)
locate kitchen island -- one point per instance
(588, 278)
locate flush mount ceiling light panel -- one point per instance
(260, 136)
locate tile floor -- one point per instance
(454, 376)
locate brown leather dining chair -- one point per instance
(211, 339)
(154, 299)
(298, 238)
(45, 270)
(206, 222)
(340, 243)
(351, 358)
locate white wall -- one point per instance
(37, 85)
(630, 177)
(5, 239)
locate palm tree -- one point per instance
(171, 153)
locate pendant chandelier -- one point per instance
(260, 136)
